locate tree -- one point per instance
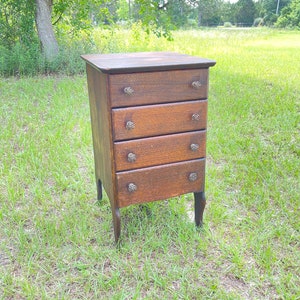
(245, 12)
(16, 22)
(290, 15)
(26, 21)
(25, 18)
(124, 10)
(154, 16)
(45, 29)
(227, 12)
(270, 9)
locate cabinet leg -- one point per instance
(99, 189)
(117, 223)
(200, 202)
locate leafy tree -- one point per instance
(207, 12)
(179, 11)
(227, 12)
(45, 29)
(26, 21)
(154, 16)
(290, 15)
(245, 12)
(124, 10)
(21, 19)
(267, 9)
(17, 22)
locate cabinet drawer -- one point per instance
(160, 150)
(157, 87)
(152, 120)
(160, 182)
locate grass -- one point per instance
(56, 241)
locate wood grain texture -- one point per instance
(160, 182)
(148, 114)
(145, 61)
(154, 120)
(101, 130)
(159, 150)
(157, 87)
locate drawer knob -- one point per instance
(193, 176)
(128, 90)
(194, 147)
(131, 187)
(131, 157)
(195, 117)
(196, 85)
(129, 125)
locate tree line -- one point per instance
(30, 22)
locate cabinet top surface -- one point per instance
(145, 61)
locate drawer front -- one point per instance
(160, 150)
(160, 182)
(157, 87)
(153, 120)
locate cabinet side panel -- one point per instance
(101, 128)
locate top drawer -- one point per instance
(157, 87)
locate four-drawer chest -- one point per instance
(149, 116)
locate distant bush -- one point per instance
(258, 22)
(192, 23)
(290, 16)
(227, 24)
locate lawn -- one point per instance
(56, 240)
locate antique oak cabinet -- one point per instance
(148, 115)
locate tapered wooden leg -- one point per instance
(200, 202)
(117, 223)
(99, 189)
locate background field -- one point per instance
(56, 241)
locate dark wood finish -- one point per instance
(157, 87)
(148, 115)
(153, 120)
(146, 61)
(103, 147)
(160, 182)
(101, 127)
(160, 150)
(99, 189)
(200, 203)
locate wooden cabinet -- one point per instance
(148, 115)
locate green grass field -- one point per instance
(56, 241)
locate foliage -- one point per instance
(266, 9)
(227, 24)
(245, 12)
(154, 17)
(258, 22)
(208, 12)
(227, 12)
(17, 23)
(20, 46)
(290, 16)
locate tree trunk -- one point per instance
(45, 29)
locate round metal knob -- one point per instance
(193, 176)
(194, 147)
(129, 125)
(131, 157)
(195, 117)
(128, 90)
(131, 187)
(196, 85)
